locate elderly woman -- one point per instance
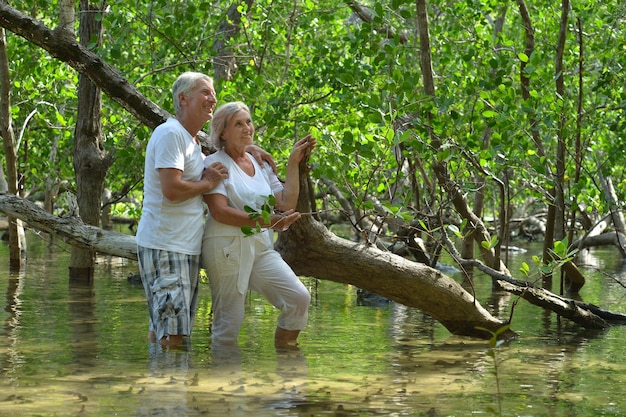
(235, 262)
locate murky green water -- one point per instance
(70, 350)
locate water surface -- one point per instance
(79, 350)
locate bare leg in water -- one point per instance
(168, 340)
(286, 339)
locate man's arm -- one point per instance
(176, 189)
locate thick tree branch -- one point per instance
(65, 48)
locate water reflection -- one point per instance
(163, 392)
(176, 386)
(408, 324)
(83, 320)
(11, 356)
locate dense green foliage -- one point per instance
(317, 67)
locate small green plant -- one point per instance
(267, 209)
(494, 343)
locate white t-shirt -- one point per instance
(241, 190)
(164, 224)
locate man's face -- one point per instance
(201, 100)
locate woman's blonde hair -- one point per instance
(220, 120)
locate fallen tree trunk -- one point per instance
(587, 315)
(311, 250)
(612, 238)
(71, 229)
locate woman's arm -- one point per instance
(288, 198)
(223, 213)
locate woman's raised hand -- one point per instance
(302, 148)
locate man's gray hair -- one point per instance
(185, 83)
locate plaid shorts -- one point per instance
(170, 280)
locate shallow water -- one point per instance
(75, 350)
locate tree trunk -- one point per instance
(91, 162)
(555, 224)
(224, 60)
(613, 238)
(311, 250)
(17, 243)
(529, 48)
(478, 229)
(617, 216)
(587, 315)
(65, 48)
(570, 271)
(4, 186)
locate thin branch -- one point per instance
(367, 17)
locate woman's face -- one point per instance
(239, 131)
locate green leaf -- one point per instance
(525, 269)
(545, 269)
(454, 229)
(247, 230)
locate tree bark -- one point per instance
(613, 238)
(586, 315)
(475, 224)
(224, 62)
(311, 250)
(617, 217)
(65, 48)
(529, 48)
(368, 17)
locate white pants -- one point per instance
(270, 276)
